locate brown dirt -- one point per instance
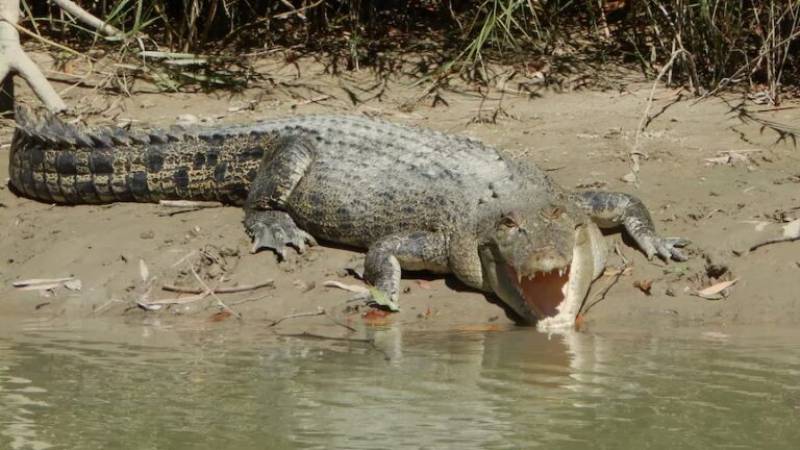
(583, 137)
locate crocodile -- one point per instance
(413, 198)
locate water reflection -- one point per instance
(146, 387)
(17, 407)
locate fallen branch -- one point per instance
(320, 98)
(219, 290)
(341, 324)
(296, 11)
(47, 284)
(625, 263)
(46, 41)
(73, 80)
(87, 18)
(309, 335)
(174, 301)
(180, 211)
(347, 287)
(791, 233)
(250, 299)
(605, 291)
(209, 291)
(106, 305)
(40, 281)
(765, 243)
(201, 293)
(40, 287)
(189, 204)
(184, 258)
(319, 312)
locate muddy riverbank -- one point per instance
(724, 183)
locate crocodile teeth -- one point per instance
(560, 272)
(542, 291)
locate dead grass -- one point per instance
(199, 44)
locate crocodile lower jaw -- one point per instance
(543, 292)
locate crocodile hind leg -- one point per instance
(274, 230)
(388, 256)
(281, 169)
(612, 209)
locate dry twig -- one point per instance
(319, 312)
(210, 292)
(317, 99)
(87, 18)
(176, 301)
(309, 335)
(250, 299)
(636, 151)
(188, 204)
(765, 243)
(218, 290)
(40, 281)
(347, 287)
(605, 291)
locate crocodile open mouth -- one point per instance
(543, 292)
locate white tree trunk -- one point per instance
(14, 60)
(87, 18)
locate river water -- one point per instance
(146, 386)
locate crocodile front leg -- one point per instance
(278, 175)
(612, 209)
(409, 251)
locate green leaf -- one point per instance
(382, 299)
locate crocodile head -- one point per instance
(541, 262)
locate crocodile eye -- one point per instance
(509, 221)
(553, 213)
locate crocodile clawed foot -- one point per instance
(278, 233)
(276, 238)
(376, 298)
(665, 248)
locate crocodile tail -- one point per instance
(59, 162)
(47, 128)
